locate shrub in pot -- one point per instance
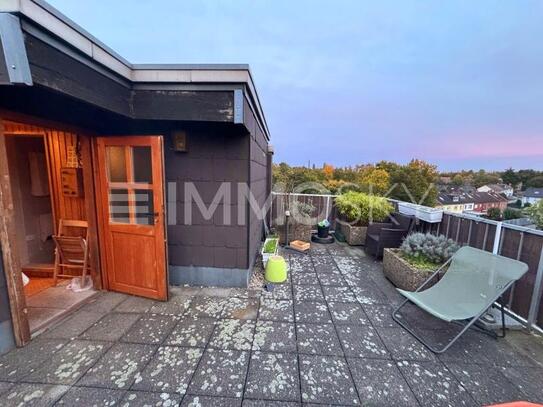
(269, 248)
(417, 258)
(356, 211)
(299, 223)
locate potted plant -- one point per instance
(269, 248)
(356, 211)
(323, 229)
(299, 223)
(417, 258)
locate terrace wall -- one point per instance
(207, 251)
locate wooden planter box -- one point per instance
(402, 274)
(424, 213)
(266, 256)
(354, 235)
(297, 231)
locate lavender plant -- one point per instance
(427, 248)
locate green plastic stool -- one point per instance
(276, 270)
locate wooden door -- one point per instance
(131, 183)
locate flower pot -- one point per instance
(297, 231)
(276, 270)
(323, 231)
(424, 213)
(401, 273)
(354, 235)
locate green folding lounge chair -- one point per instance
(474, 281)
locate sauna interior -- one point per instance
(45, 168)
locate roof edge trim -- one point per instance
(46, 16)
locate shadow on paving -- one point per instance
(324, 337)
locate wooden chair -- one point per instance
(71, 252)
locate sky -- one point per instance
(456, 83)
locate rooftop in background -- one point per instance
(474, 197)
(534, 193)
(497, 188)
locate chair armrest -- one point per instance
(375, 228)
(384, 232)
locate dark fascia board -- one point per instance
(50, 19)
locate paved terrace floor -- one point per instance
(326, 337)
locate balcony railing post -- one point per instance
(327, 207)
(536, 295)
(497, 238)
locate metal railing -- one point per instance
(524, 299)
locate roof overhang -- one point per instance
(37, 15)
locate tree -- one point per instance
(414, 182)
(374, 180)
(509, 176)
(526, 175)
(457, 180)
(535, 212)
(482, 177)
(328, 171)
(494, 214)
(510, 213)
(535, 182)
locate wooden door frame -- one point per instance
(10, 254)
(103, 216)
(10, 251)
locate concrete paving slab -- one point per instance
(119, 366)
(232, 334)
(220, 373)
(191, 331)
(151, 329)
(318, 339)
(327, 380)
(273, 376)
(274, 336)
(169, 370)
(111, 327)
(380, 383)
(70, 363)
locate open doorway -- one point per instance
(29, 180)
(45, 173)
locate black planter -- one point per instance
(323, 231)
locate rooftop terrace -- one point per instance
(325, 337)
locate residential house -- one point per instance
(532, 196)
(476, 202)
(135, 151)
(504, 189)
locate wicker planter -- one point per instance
(354, 235)
(402, 274)
(297, 231)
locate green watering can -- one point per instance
(276, 269)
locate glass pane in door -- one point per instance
(141, 162)
(116, 163)
(119, 204)
(144, 212)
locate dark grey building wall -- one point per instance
(208, 251)
(258, 186)
(7, 340)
